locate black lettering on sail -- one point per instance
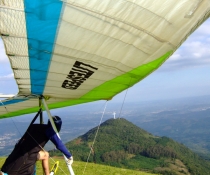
(67, 84)
(78, 74)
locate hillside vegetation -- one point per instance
(121, 144)
(91, 168)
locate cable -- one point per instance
(124, 97)
(91, 148)
(11, 118)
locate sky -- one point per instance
(185, 74)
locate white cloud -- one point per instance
(7, 77)
(198, 48)
(194, 52)
(198, 55)
(175, 56)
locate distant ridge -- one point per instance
(120, 143)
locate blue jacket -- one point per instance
(50, 133)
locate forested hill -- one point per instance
(122, 144)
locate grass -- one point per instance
(91, 169)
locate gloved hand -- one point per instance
(70, 160)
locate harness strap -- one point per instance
(34, 119)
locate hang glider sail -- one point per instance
(73, 52)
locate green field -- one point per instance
(91, 168)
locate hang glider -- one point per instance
(72, 52)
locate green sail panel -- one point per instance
(105, 91)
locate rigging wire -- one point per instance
(124, 98)
(11, 118)
(12, 122)
(91, 148)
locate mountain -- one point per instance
(122, 144)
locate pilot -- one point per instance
(29, 149)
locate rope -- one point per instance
(11, 118)
(124, 98)
(91, 148)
